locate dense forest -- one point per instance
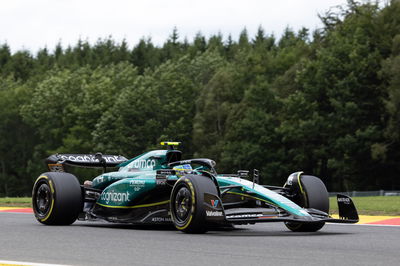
(325, 102)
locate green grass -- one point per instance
(379, 205)
(15, 202)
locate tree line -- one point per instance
(325, 102)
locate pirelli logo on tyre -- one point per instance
(193, 195)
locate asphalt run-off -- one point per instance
(364, 219)
(24, 241)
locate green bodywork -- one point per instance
(260, 193)
(137, 178)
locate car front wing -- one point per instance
(347, 214)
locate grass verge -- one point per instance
(379, 205)
(16, 202)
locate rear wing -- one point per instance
(56, 162)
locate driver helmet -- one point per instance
(182, 169)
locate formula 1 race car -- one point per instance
(158, 187)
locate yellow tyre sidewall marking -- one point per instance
(302, 190)
(193, 205)
(52, 196)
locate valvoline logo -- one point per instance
(214, 203)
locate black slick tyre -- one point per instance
(187, 203)
(312, 194)
(57, 198)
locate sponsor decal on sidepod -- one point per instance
(214, 213)
(137, 184)
(214, 203)
(114, 196)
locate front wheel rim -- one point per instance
(182, 204)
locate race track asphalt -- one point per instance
(22, 238)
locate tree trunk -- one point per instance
(3, 176)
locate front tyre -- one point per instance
(57, 198)
(186, 204)
(311, 193)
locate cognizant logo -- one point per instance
(114, 196)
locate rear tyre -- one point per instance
(312, 194)
(57, 198)
(187, 209)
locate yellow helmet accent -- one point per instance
(170, 143)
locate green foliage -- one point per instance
(66, 105)
(17, 140)
(327, 104)
(145, 55)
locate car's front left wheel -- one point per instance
(187, 203)
(311, 193)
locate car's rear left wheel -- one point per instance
(57, 198)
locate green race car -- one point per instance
(158, 187)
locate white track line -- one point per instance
(21, 263)
(381, 225)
